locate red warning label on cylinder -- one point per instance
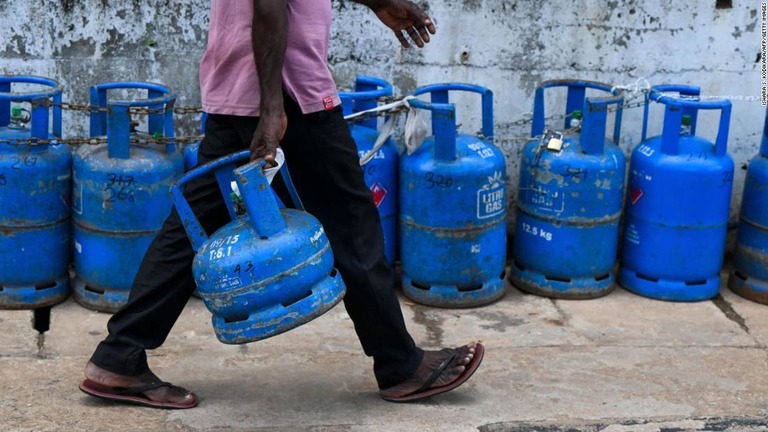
(635, 193)
(379, 193)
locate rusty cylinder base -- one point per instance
(582, 288)
(98, 299)
(748, 287)
(452, 296)
(35, 296)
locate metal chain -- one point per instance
(90, 109)
(78, 107)
(80, 141)
(180, 110)
(510, 140)
(188, 110)
(504, 141)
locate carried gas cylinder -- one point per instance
(380, 164)
(267, 271)
(35, 188)
(120, 196)
(570, 197)
(453, 205)
(749, 277)
(678, 200)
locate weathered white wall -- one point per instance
(505, 45)
(85, 42)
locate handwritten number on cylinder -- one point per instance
(438, 180)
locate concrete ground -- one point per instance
(619, 363)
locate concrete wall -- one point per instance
(505, 45)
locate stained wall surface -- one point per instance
(508, 46)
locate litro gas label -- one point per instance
(491, 200)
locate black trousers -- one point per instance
(325, 169)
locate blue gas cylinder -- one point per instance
(120, 196)
(678, 199)
(267, 271)
(570, 197)
(35, 188)
(190, 150)
(749, 277)
(379, 165)
(453, 205)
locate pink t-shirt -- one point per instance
(229, 83)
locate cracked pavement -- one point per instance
(618, 363)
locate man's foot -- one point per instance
(438, 372)
(145, 389)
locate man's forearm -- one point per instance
(372, 4)
(269, 37)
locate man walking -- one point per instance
(265, 81)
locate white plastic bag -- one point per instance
(270, 173)
(415, 130)
(386, 131)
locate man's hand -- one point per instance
(402, 16)
(267, 136)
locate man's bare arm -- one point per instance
(269, 38)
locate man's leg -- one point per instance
(326, 169)
(164, 281)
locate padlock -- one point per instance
(555, 143)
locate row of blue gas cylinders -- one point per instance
(118, 191)
(571, 200)
(452, 199)
(105, 203)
